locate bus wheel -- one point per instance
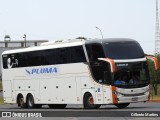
(30, 101)
(88, 102)
(57, 106)
(122, 105)
(20, 102)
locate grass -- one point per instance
(1, 101)
(153, 96)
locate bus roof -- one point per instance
(46, 45)
(110, 40)
(68, 43)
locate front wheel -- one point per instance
(122, 105)
(88, 102)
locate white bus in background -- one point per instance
(93, 73)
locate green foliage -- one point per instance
(154, 74)
(158, 71)
(152, 71)
(81, 38)
(152, 93)
(0, 84)
(1, 100)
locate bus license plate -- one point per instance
(135, 99)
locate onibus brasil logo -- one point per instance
(42, 71)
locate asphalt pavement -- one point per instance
(141, 106)
(76, 112)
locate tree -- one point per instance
(81, 38)
(154, 74)
(158, 71)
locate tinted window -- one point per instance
(45, 57)
(22, 59)
(129, 50)
(48, 57)
(95, 51)
(77, 54)
(62, 56)
(33, 58)
(5, 57)
(10, 61)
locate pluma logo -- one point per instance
(42, 71)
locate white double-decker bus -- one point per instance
(93, 73)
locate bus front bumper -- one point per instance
(131, 95)
(124, 99)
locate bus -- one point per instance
(88, 72)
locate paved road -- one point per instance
(148, 106)
(77, 112)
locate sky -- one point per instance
(69, 19)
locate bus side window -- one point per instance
(95, 51)
(48, 57)
(77, 54)
(5, 61)
(33, 58)
(61, 56)
(22, 60)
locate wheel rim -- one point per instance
(91, 101)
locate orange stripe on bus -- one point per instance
(112, 63)
(114, 96)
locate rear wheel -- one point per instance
(88, 102)
(30, 101)
(20, 101)
(122, 105)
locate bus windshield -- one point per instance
(123, 50)
(131, 75)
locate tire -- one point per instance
(30, 101)
(57, 106)
(21, 102)
(122, 105)
(88, 102)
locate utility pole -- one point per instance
(24, 40)
(100, 31)
(157, 31)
